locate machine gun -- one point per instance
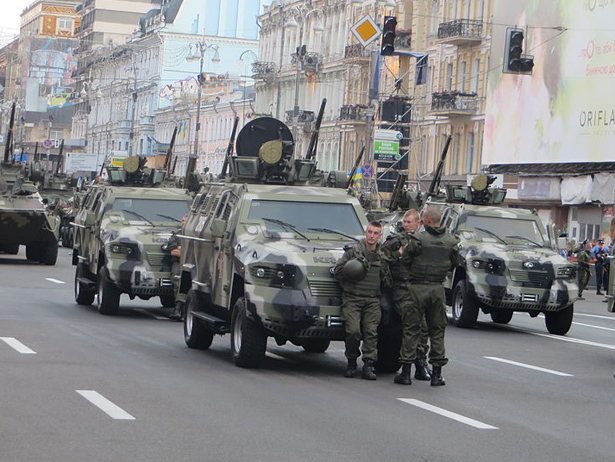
(397, 191)
(229, 151)
(167, 159)
(8, 147)
(437, 176)
(311, 151)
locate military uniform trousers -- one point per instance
(582, 279)
(424, 301)
(362, 317)
(175, 278)
(401, 298)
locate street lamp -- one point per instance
(243, 109)
(199, 54)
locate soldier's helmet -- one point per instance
(354, 270)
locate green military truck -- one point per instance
(122, 227)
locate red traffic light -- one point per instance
(388, 36)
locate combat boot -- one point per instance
(436, 377)
(368, 370)
(405, 376)
(178, 312)
(422, 371)
(351, 370)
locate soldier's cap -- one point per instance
(600, 241)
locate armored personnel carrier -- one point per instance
(260, 244)
(121, 231)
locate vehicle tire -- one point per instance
(10, 249)
(315, 345)
(389, 344)
(501, 316)
(465, 310)
(248, 339)
(559, 322)
(196, 334)
(49, 254)
(34, 251)
(108, 294)
(167, 301)
(83, 295)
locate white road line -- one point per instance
(574, 340)
(17, 345)
(57, 281)
(528, 366)
(98, 400)
(449, 414)
(274, 355)
(593, 327)
(599, 316)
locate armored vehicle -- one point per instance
(259, 247)
(121, 231)
(508, 260)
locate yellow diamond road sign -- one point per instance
(366, 30)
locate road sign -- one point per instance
(368, 171)
(366, 30)
(48, 144)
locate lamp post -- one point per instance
(243, 108)
(199, 54)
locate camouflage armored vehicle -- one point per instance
(259, 247)
(121, 231)
(25, 218)
(509, 261)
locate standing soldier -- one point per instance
(583, 259)
(174, 247)
(360, 272)
(430, 255)
(393, 247)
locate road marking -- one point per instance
(98, 400)
(57, 281)
(599, 316)
(572, 340)
(17, 345)
(152, 315)
(449, 414)
(528, 366)
(593, 327)
(274, 355)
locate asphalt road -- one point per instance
(77, 386)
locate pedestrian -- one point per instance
(361, 271)
(393, 247)
(429, 255)
(601, 267)
(583, 260)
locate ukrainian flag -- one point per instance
(357, 177)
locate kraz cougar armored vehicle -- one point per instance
(121, 231)
(508, 260)
(260, 245)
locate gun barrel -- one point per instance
(435, 182)
(167, 159)
(9, 139)
(311, 152)
(229, 151)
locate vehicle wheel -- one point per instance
(34, 251)
(559, 322)
(389, 344)
(248, 339)
(10, 249)
(49, 254)
(108, 294)
(465, 310)
(83, 295)
(315, 345)
(502, 316)
(196, 334)
(167, 301)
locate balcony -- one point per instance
(356, 53)
(453, 103)
(304, 117)
(310, 62)
(263, 70)
(353, 113)
(460, 32)
(146, 120)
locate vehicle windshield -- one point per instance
(306, 215)
(507, 229)
(153, 210)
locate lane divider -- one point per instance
(528, 366)
(17, 345)
(55, 281)
(108, 407)
(451, 415)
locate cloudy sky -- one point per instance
(9, 18)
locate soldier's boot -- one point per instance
(351, 369)
(421, 371)
(405, 376)
(436, 377)
(368, 370)
(178, 312)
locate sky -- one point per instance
(9, 18)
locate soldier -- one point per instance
(601, 267)
(175, 248)
(583, 259)
(393, 247)
(361, 270)
(430, 255)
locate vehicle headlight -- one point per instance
(490, 265)
(130, 250)
(277, 276)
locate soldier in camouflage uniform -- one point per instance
(174, 247)
(393, 247)
(429, 255)
(583, 259)
(361, 299)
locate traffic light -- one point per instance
(514, 59)
(388, 36)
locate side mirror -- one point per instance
(218, 227)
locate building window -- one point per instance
(65, 24)
(455, 158)
(470, 153)
(461, 85)
(449, 77)
(475, 75)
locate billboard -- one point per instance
(565, 111)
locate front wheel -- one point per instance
(465, 309)
(196, 334)
(108, 294)
(49, 254)
(248, 339)
(83, 295)
(559, 322)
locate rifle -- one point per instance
(229, 152)
(312, 148)
(355, 167)
(435, 182)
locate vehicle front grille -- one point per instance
(536, 279)
(159, 260)
(325, 288)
